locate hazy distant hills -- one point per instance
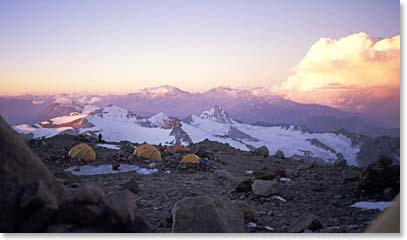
(251, 106)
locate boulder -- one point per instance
(116, 166)
(249, 213)
(350, 174)
(20, 170)
(86, 206)
(306, 221)
(388, 194)
(379, 176)
(340, 163)
(206, 214)
(122, 212)
(279, 154)
(308, 164)
(266, 188)
(131, 185)
(226, 178)
(266, 173)
(261, 151)
(244, 184)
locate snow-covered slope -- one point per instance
(118, 124)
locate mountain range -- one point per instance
(118, 124)
(254, 106)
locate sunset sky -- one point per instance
(327, 48)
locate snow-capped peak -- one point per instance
(162, 90)
(159, 119)
(63, 101)
(113, 111)
(216, 113)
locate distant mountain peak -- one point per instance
(216, 113)
(162, 90)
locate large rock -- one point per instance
(306, 221)
(207, 214)
(379, 176)
(122, 211)
(244, 184)
(350, 174)
(85, 207)
(19, 169)
(266, 173)
(226, 178)
(279, 154)
(266, 188)
(261, 151)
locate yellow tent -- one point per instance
(83, 152)
(147, 151)
(190, 158)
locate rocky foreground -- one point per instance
(236, 191)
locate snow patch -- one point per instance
(109, 146)
(372, 205)
(87, 170)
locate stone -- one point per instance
(266, 173)
(206, 214)
(350, 174)
(378, 176)
(249, 213)
(122, 206)
(261, 151)
(308, 164)
(388, 194)
(306, 221)
(225, 178)
(131, 185)
(340, 163)
(279, 154)
(244, 184)
(267, 188)
(20, 168)
(116, 166)
(83, 213)
(89, 193)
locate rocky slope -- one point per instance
(259, 193)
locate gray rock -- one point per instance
(249, 213)
(122, 206)
(131, 185)
(226, 178)
(267, 173)
(207, 214)
(350, 174)
(388, 194)
(89, 193)
(261, 151)
(244, 184)
(279, 154)
(116, 166)
(340, 163)
(306, 221)
(20, 168)
(266, 188)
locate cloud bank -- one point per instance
(354, 73)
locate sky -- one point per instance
(344, 54)
(102, 46)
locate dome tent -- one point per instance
(83, 152)
(147, 151)
(190, 158)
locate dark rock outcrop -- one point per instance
(22, 173)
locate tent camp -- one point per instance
(82, 152)
(190, 158)
(147, 151)
(177, 148)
